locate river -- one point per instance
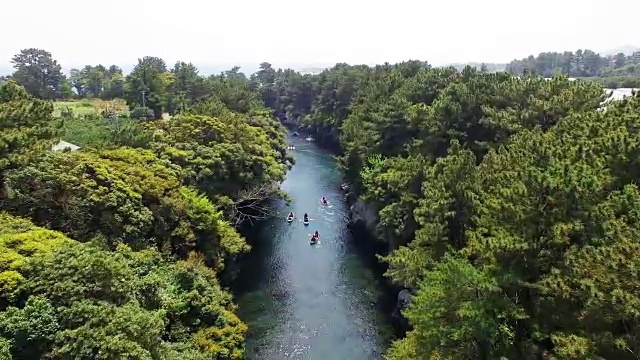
(312, 302)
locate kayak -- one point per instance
(306, 222)
(313, 242)
(289, 218)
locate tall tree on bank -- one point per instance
(187, 87)
(114, 83)
(264, 79)
(40, 74)
(146, 85)
(98, 82)
(26, 124)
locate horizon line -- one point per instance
(300, 66)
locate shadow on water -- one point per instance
(311, 302)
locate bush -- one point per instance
(143, 113)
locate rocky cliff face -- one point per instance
(364, 217)
(403, 300)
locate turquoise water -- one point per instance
(305, 301)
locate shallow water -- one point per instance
(305, 301)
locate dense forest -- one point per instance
(506, 203)
(116, 250)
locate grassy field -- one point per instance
(90, 106)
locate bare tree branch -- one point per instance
(252, 204)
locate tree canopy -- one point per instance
(115, 250)
(26, 123)
(77, 300)
(508, 203)
(40, 74)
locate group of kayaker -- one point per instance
(291, 216)
(305, 219)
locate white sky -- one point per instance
(282, 32)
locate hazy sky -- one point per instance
(81, 32)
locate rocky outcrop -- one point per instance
(403, 300)
(363, 219)
(364, 215)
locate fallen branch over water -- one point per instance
(254, 204)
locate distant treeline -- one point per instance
(41, 75)
(612, 71)
(581, 63)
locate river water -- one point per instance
(315, 302)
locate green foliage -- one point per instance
(146, 85)
(85, 302)
(98, 82)
(143, 199)
(19, 241)
(510, 204)
(188, 88)
(95, 131)
(40, 74)
(231, 157)
(142, 113)
(459, 312)
(232, 89)
(5, 349)
(26, 126)
(581, 63)
(126, 195)
(616, 82)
